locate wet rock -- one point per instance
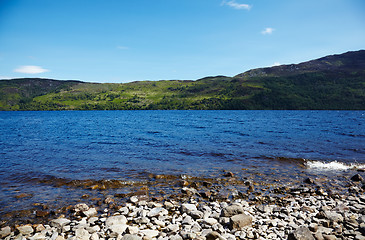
(81, 207)
(41, 214)
(232, 210)
(239, 221)
(24, 195)
(189, 191)
(357, 178)
(5, 231)
(309, 181)
(228, 174)
(301, 233)
(25, 229)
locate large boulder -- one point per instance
(232, 210)
(239, 221)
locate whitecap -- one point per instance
(333, 166)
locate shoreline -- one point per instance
(284, 210)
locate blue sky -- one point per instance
(134, 40)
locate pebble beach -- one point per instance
(199, 210)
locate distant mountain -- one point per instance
(331, 82)
(347, 62)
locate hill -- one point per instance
(331, 82)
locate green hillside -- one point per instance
(332, 82)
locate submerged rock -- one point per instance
(357, 178)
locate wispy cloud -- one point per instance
(236, 5)
(30, 69)
(267, 31)
(122, 47)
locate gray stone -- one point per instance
(301, 233)
(5, 231)
(239, 221)
(25, 229)
(263, 208)
(210, 221)
(131, 237)
(38, 236)
(333, 216)
(188, 208)
(59, 238)
(116, 220)
(318, 236)
(91, 212)
(176, 237)
(188, 220)
(329, 237)
(60, 222)
(156, 212)
(173, 228)
(133, 230)
(82, 234)
(94, 236)
(232, 210)
(150, 233)
(117, 229)
(196, 214)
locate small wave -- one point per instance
(333, 166)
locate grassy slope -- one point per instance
(16, 93)
(332, 82)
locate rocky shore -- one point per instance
(302, 211)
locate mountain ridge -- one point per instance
(331, 82)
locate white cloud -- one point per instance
(276, 64)
(30, 69)
(123, 47)
(267, 31)
(236, 5)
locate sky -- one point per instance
(118, 41)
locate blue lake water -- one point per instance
(128, 145)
